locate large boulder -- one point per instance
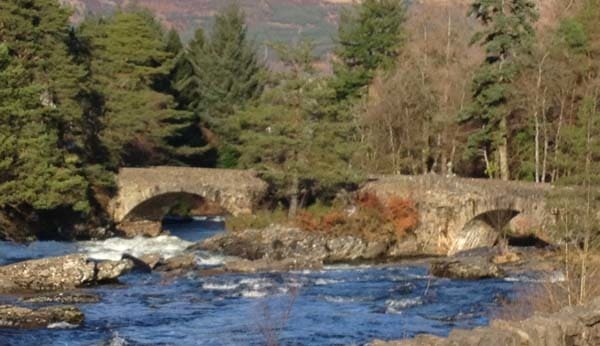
(47, 274)
(52, 316)
(467, 268)
(278, 243)
(59, 273)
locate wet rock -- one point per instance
(182, 262)
(151, 260)
(468, 268)
(265, 265)
(19, 317)
(145, 263)
(62, 298)
(47, 274)
(144, 228)
(110, 270)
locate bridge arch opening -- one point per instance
(484, 230)
(490, 228)
(181, 213)
(178, 204)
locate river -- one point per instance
(340, 305)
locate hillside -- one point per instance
(268, 20)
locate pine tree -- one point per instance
(370, 36)
(294, 135)
(225, 72)
(138, 115)
(39, 33)
(190, 82)
(507, 36)
(35, 173)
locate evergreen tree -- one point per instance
(38, 33)
(35, 173)
(138, 115)
(190, 82)
(370, 36)
(294, 136)
(507, 36)
(225, 72)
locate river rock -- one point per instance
(59, 273)
(181, 262)
(468, 268)
(19, 317)
(571, 326)
(145, 263)
(107, 271)
(62, 298)
(265, 265)
(280, 242)
(47, 274)
(144, 228)
(151, 260)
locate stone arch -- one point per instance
(482, 230)
(155, 208)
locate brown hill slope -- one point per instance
(268, 20)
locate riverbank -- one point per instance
(572, 326)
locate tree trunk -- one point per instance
(293, 197)
(503, 150)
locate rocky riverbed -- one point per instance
(181, 288)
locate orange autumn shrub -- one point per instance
(403, 214)
(369, 200)
(307, 221)
(332, 219)
(372, 219)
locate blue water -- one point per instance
(340, 305)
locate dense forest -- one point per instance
(489, 89)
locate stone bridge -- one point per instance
(457, 214)
(146, 195)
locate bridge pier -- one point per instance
(145, 228)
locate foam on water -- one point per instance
(207, 259)
(113, 249)
(62, 325)
(324, 282)
(395, 306)
(554, 277)
(220, 287)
